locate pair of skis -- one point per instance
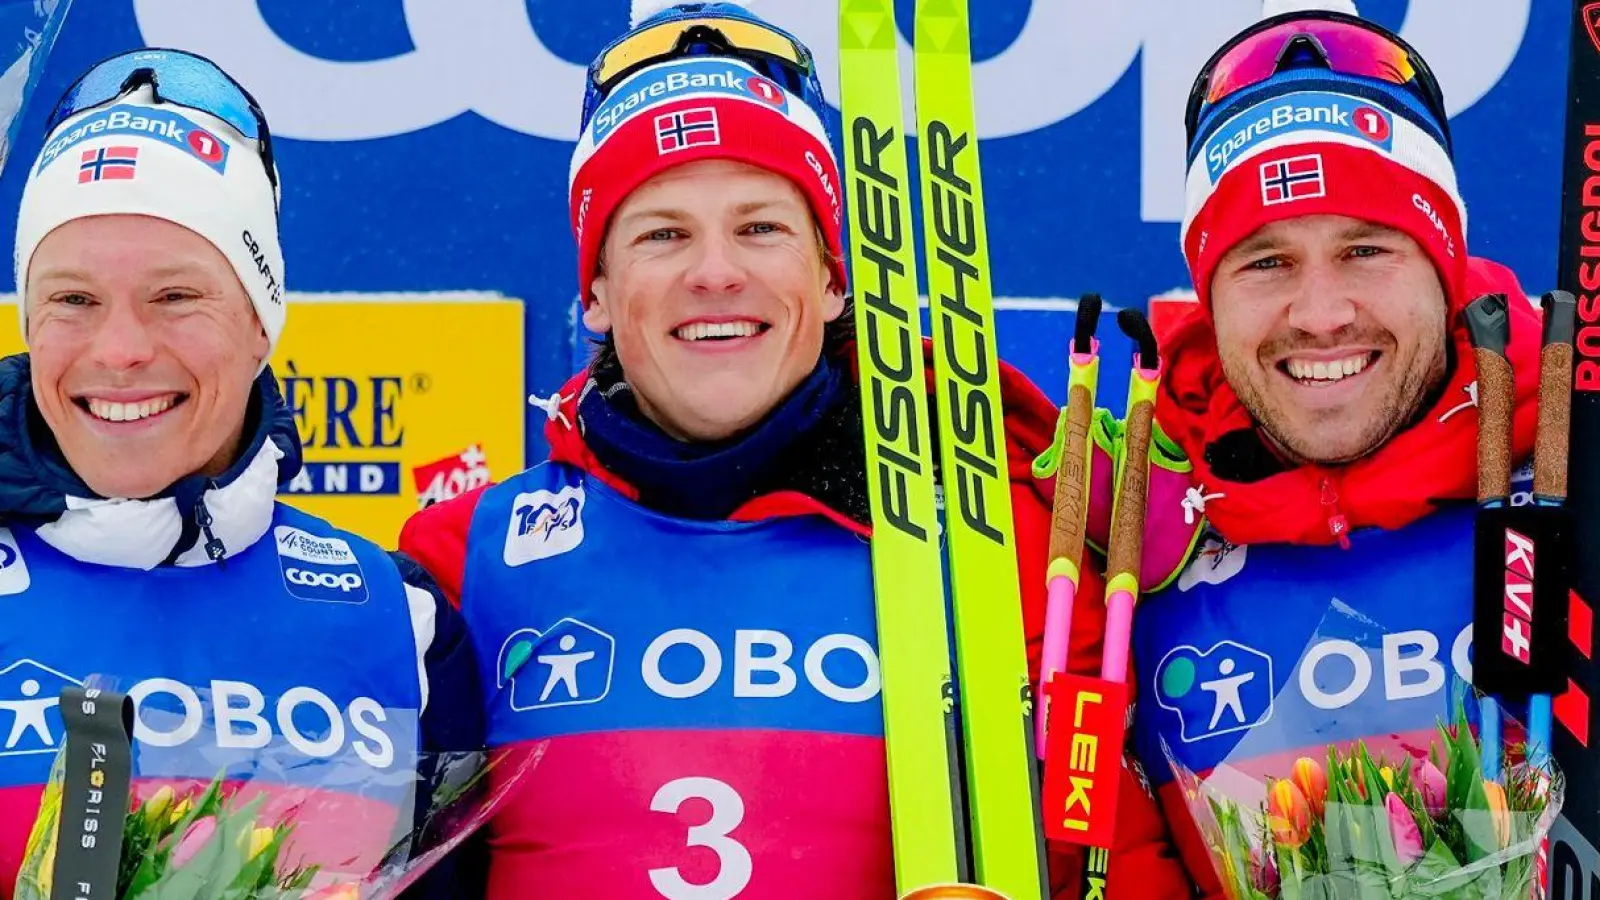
(972, 734)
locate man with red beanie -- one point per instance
(678, 605)
(1324, 389)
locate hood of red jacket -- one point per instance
(1029, 417)
(1432, 461)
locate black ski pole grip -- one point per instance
(94, 792)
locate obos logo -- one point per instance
(1304, 111)
(1225, 689)
(544, 524)
(229, 715)
(14, 578)
(319, 568)
(568, 664)
(30, 708)
(694, 77)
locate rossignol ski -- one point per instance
(920, 728)
(1574, 861)
(996, 696)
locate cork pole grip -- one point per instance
(1070, 511)
(1495, 390)
(1127, 526)
(1555, 421)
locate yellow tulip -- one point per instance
(1499, 812)
(260, 840)
(1387, 774)
(159, 803)
(179, 810)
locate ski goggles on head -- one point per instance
(176, 77)
(1340, 43)
(775, 53)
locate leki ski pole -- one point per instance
(1489, 324)
(1070, 510)
(1551, 448)
(1088, 716)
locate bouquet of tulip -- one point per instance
(173, 846)
(270, 824)
(1355, 825)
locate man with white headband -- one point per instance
(142, 443)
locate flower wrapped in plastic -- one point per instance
(1359, 773)
(250, 803)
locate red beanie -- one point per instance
(694, 108)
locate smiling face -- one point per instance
(1332, 332)
(715, 289)
(144, 348)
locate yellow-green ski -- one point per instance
(907, 567)
(993, 686)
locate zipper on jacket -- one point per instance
(1338, 525)
(202, 517)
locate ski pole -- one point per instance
(1489, 324)
(1126, 542)
(1070, 509)
(1550, 452)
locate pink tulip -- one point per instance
(1263, 872)
(199, 832)
(1431, 782)
(1407, 839)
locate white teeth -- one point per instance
(699, 331)
(130, 412)
(1336, 370)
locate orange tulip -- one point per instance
(1308, 776)
(1288, 814)
(1499, 812)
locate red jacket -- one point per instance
(1143, 865)
(1402, 481)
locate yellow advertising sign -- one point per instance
(400, 400)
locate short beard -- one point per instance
(1398, 412)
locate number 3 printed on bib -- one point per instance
(733, 860)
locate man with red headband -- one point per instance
(678, 606)
(1324, 389)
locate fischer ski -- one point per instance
(1574, 861)
(920, 728)
(994, 691)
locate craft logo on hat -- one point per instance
(687, 128)
(1303, 111)
(707, 77)
(1295, 178)
(108, 164)
(157, 124)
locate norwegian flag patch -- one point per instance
(1295, 178)
(108, 164)
(687, 128)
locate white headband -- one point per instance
(138, 157)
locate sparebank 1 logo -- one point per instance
(30, 708)
(1224, 689)
(1078, 49)
(568, 664)
(340, 413)
(319, 568)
